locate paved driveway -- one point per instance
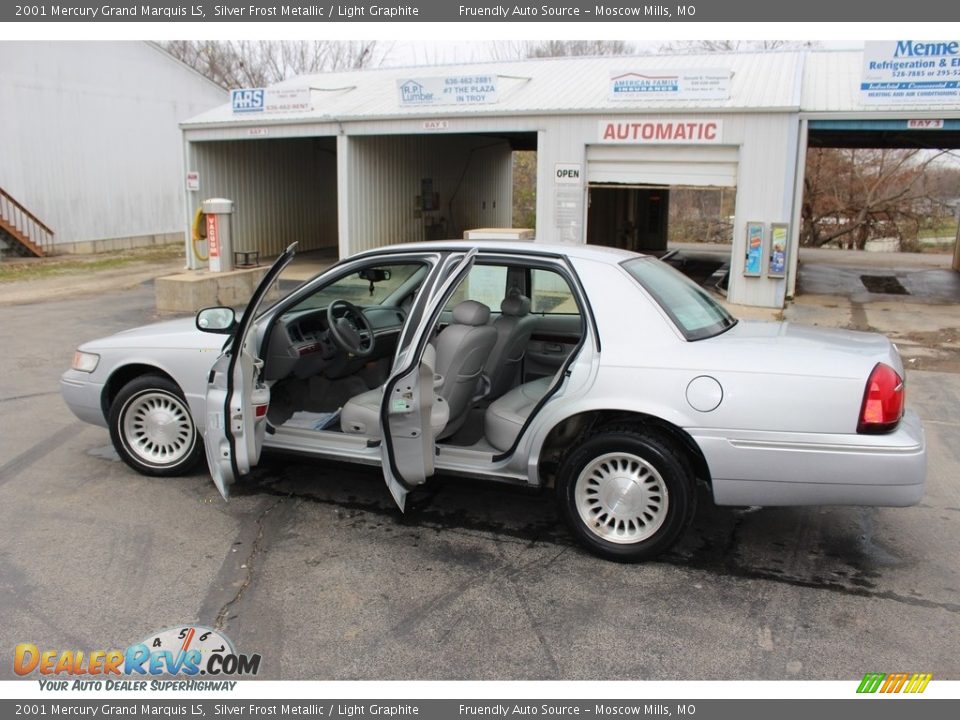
(311, 566)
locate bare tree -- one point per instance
(853, 195)
(524, 189)
(736, 45)
(522, 49)
(245, 63)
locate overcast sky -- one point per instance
(401, 53)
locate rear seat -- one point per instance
(506, 415)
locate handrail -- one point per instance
(26, 212)
(25, 227)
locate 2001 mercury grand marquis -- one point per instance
(601, 373)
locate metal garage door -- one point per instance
(663, 165)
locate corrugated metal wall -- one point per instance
(471, 175)
(380, 176)
(90, 137)
(762, 144)
(283, 190)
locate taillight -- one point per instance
(882, 405)
(260, 410)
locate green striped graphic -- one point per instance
(871, 682)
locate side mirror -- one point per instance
(216, 320)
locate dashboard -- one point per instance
(301, 346)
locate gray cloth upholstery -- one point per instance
(514, 327)
(515, 304)
(471, 312)
(462, 352)
(506, 416)
(361, 414)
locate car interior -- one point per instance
(503, 335)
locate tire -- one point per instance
(627, 495)
(152, 429)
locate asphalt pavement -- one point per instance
(311, 566)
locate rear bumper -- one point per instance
(790, 469)
(82, 396)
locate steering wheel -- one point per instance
(349, 328)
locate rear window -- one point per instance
(691, 308)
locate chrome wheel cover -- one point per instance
(157, 428)
(621, 498)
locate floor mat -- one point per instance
(314, 421)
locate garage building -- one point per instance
(91, 157)
(348, 161)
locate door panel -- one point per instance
(408, 444)
(554, 337)
(237, 397)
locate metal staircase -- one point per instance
(23, 231)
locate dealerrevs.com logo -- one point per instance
(187, 653)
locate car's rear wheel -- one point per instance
(627, 496)
(152, 429)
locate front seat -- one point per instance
(361, 414)
(462, 352)
(514, 327)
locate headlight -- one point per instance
(84, 361)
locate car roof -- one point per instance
(588, 252)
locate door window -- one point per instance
(485, 283)
(550, 294)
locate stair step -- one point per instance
(21, 241)
(23, 230)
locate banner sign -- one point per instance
(673, 84)
(270, 100)
(663, 131)
(448, 90)
(777, 265)
(754, 254)
(899, 72)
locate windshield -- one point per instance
(375, 284)
(691, 308)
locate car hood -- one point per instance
(785, 347)
(180, 333)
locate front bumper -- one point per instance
(789, 469)
(82, 396)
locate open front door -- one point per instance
(408, 445)
(237, 398)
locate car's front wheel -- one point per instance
(152, 429)
(627, 495)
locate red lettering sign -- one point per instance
(661, 131)
(213, 237)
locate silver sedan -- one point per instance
(602, 374)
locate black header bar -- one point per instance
(864, 11)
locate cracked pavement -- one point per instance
(311, 566)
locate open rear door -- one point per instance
(237, 398)
(408, 445)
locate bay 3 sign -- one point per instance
(663, 131)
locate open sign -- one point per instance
(567, 173)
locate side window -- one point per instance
(550, 294)
(485, 283)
